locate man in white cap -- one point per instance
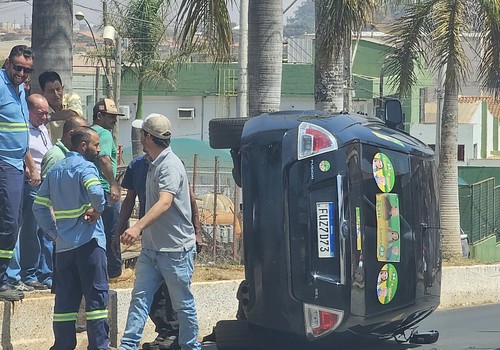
(168, 240)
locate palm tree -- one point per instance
(434, 30)
(335, 23)
(265, 48)
(145, 27)
(52, 38)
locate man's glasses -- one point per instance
(18, 68)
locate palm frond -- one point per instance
(447, 37)
(489, 68)
(335, 22)
(211, 19)
(408, 46)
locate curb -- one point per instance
(28, 325)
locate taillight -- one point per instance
(321, 321)
(313, 140)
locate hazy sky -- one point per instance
(20, 12)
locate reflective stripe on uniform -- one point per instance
(73, 213)
(6, 254)
(67, 317)
(92, 181)
(46, 202)
(96, 314)
(7, 126)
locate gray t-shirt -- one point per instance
(173, 231)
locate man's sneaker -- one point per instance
(125, 276)
(36, 285)
(21, 286)
(169, 342)
(9, 294)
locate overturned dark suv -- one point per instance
(341, 223)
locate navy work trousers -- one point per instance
(11, 201)
(81, 271)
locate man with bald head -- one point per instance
(62, 146)
(31, 266)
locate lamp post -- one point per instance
(109, 88)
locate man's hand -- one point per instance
(91, 216)
(130, 235)
(199, 246)
(33, 176)
(115, 192)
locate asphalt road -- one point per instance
(460, 329)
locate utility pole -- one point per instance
(109, 87)
(242, 100)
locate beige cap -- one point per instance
(106, 106)
(157, 125)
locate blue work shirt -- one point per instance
(14, 116)
(135, 179)
(71, 186)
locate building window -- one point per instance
(461, 153)
(475, 151)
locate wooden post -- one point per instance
(214, 224)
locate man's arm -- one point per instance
(164, 202)
(42, 211)
(32, 173)
(126, 211)
(107, 170)
(65, 114)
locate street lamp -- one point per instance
(108, 40)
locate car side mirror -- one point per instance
(393, 113)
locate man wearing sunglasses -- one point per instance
(14, 153)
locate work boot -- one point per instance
(20, 286)
(9, 294)
(164, 342)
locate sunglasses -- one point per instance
(18, 68)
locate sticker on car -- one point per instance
(326, 235)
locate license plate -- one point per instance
(326, 237)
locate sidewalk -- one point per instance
(28, 324)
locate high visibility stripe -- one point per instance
(92, 181)
(6, 254)
(6, 126)
(73, 213)
(96, 315)
(67, 317)
(46, 202)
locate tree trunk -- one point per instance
(52, 39)
(328, 76)
(265, 47)
(448, 171)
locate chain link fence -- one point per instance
(478, 205)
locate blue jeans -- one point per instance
(11, 199)
(110, 220)
(32, 259)
(151, 269)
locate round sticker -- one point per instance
(383, 172)
(324, 166)
(387, 283)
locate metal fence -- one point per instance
(478, 205)
(218, 200)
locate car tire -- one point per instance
(226, 132)
(233, 334)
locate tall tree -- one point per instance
(265, 48)
(52, 39)
(335, 23)
(145, 27)
(434, 29)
